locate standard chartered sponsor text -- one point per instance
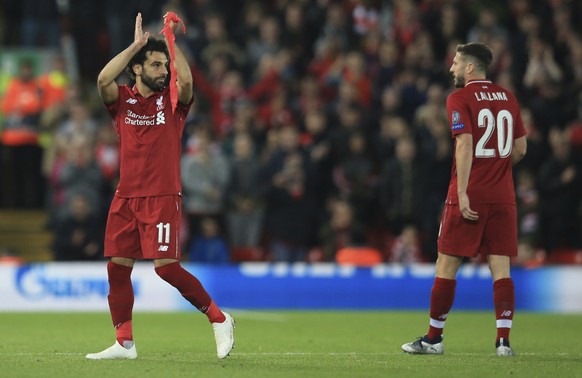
(139, 119)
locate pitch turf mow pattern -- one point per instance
(287, 344)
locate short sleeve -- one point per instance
(184, 109)
(458, 115)
(113, 108)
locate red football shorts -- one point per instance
(495, 233)
(144, 228)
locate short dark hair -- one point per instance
(480, 52)
(153, 44)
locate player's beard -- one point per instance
(153, 83)
(459, 81)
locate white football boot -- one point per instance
(419, 346)
(115, 351)
(224, 336)
(503, 349)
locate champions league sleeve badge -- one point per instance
(456, 119)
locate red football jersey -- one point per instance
(492, 115)
(150, 143)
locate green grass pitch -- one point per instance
(289, 344)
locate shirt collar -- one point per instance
(481, 81)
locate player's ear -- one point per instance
(137, 68)
(470, 67)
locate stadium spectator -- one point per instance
(292, 210)
(436, 153)
(385, 68)
(405, 23)
(79, 233)
(406, 247)
(315, 141)
(402, 187)
(244, 123)
(205, 173)
(216, 40)
(527, 201)
(391, 129)
(432, 108)
(350, 120)
(355, 178)
(336, 27)
(297, 35)
(80, 173)
(55, 188)
(365, 17)
(78, 123)
(341, 230)
(267, 43)
(22, 106)
(275, 112)
(209, 246)
(537, 145)
(560, 183)
(55, 84)
(244, 195)
(479, 215)
(451, 25)
(107, 156)
(487, 27)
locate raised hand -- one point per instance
(140, 38)
(174, 22)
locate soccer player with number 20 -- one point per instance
(479, 216)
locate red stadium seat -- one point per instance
(11, 260)
(240, 254)
(358, 256)
(564, 256)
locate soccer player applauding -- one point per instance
(144, 217)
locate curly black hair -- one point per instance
(153, 44)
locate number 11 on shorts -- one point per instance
(163, 233)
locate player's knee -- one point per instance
(167, 270)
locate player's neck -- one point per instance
(470, 78)
(143, 89)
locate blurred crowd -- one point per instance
(319, 127)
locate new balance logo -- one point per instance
(131, 101)
(163, 248)
(443, 316)
(160, 118)
(506, 314)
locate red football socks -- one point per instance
(191, 289)
(504, 301)
(120, 300)
(441, 301)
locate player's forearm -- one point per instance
(182, 67)
(519, 150)
(516, 158)
(184, 75)
(116, 66)
(463, 161)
